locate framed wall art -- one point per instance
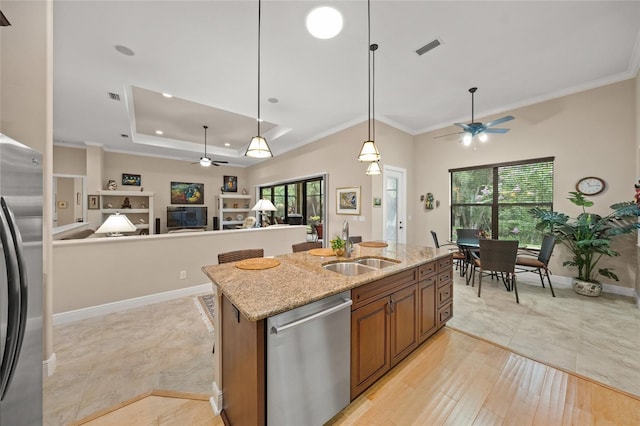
(230, 184)
(93, 202)
(348, 200)
(129, 179)
(187, 193)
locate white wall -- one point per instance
(591, 133)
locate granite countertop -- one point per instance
(300, 278)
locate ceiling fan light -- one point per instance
(205, 161)
(483, 137)
(466, 139)
(369, 152)
(324, 22)
(373, 169)
(258, 148)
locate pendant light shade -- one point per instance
(369, 151)
(258, 147)
(373, 169)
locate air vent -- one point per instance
(429, 46)
(114, 96)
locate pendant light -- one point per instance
(373, 169)
(258, 147)
(369, 151)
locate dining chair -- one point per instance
(234, 256)
(457, 253)
(306, 246)
(498, 256)
(467, 240)
(528, 263)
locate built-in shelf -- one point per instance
(140, 213)
(230, 207)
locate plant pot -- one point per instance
(339, 252)
(586, 288)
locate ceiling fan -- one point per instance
(479, 129)
(207, 161)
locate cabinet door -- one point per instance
(370, 328)
(427, 313)
(404, 322)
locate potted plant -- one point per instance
(588, 237)
(338, 244)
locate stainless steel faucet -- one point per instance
(348, 247)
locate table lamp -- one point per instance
(115, 225)
(264, 205)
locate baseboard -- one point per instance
(216, 399)
(123, 305)
(49, 366)
(532, 277)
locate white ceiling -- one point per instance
(205, 54)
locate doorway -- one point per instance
(395, 204)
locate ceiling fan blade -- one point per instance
(220, 161)
(499, 121)
(448, 134)
(496, 130)
(464, 126)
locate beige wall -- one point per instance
(337, 155)
(591, 133)
(637, 157)
(98, 271)
(69, 161)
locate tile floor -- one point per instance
(105, 360)
(598, 338)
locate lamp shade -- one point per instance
(369, 152)
(264, 205)
(115, 225)
(258, 148)
(373, 169)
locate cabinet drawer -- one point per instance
(445, 293)
(445, 313)
(426, 270)
(445, 263)
(382, 287)
(445, 278)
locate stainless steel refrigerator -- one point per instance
(20, 284)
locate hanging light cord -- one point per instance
(205, 140)
(373, 49)
(259, 13)
(369, 61)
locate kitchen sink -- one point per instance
(376, 263)
(359, 266)
(349, 268)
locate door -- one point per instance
(404, 322)
(394, 212)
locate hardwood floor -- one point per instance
(453, 379)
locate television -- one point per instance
(186, 217)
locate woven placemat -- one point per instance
(321, 252)
(373, 244)
(258, 263)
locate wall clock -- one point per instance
(590, 185)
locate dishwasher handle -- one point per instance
(279, 329)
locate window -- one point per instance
(304, 197)
(497, 198)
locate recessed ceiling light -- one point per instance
(167, 95)
(324, 22)
(159, 132)
(273, 100)
(124, 50)
(124, 135)
(227, 144)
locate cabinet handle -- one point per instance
(391, 303)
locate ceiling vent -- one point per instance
(429, 46)
(114, 96)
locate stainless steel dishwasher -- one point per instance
(308, 362)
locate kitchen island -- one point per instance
(394, 310)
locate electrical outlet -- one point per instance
(183, 275)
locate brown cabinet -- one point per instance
(392, 316)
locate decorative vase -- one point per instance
(586, 288)
(339, 252)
